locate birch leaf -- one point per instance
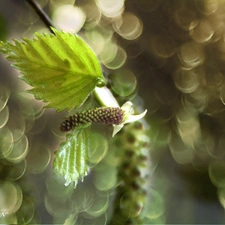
(71, 159)
(61, 68)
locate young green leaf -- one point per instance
(71, 158)
(62, 68)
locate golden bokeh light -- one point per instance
(111, 8)
(96, 41)
(99, 207)
(123, 82)
(60, 211)
(187, 81)
(163, 46)
(16, 124)
(148, 5)
(26, 212)
(15, 171)
(10, 197)
(19, 150)
(182, 153)
(118, 61)
(57, 190)
(105, 57)
(93, 15)
(4, 116)
(69, 18)
(38, 158)
(54, 4)
(128, 26)
(6, 139)
(155, 207)
(207, 7)
(191, 55)
(185, 18)
(188, 127)
(4, 97)
(9, 219)
(83, 198)
(98, 148)
(217, 173)
(105, 179)
(202, 32)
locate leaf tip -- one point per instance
(4, 47)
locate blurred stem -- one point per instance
(43, 16)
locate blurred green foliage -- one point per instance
(3, 28)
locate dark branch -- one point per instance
(43, 16)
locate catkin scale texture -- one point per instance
(105, 115)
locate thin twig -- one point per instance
(43, 16)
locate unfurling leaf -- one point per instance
(62, 68)
(71, 160)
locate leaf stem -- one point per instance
(43, 16)
(105, 97)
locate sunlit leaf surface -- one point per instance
(71, 158)
(62, 68)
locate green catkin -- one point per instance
(106, 115)
(133, 189)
